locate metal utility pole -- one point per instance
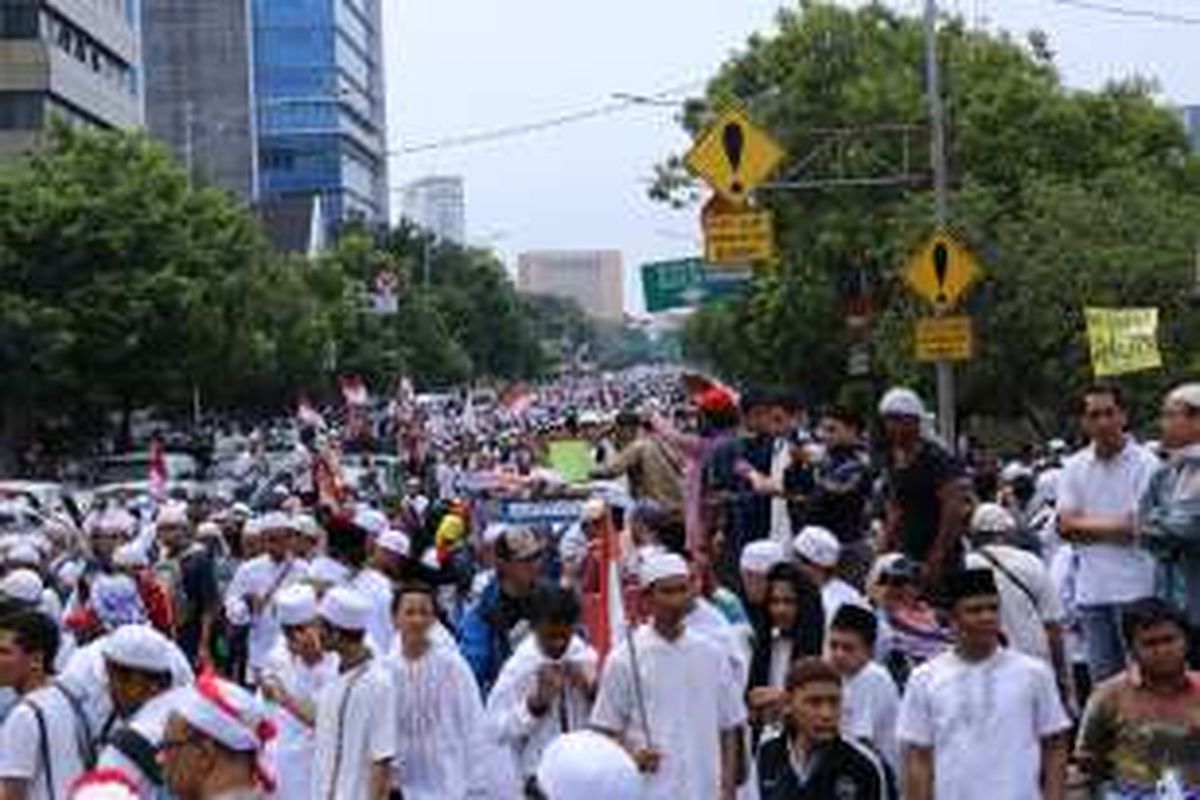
(189, 144)
(947, 425)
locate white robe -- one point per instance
(523, 736)
(442, 752)
(691, 696)
(356, 729)
(259, 577)
(378, 589)
(290, 754)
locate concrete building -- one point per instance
(278, 101)
(77, 60)
(200, 88)
(437, 204)
(1191, 123)
(595, 279)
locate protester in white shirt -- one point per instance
(442, 751)
(1099, 495)
(44, 742)
(254, 585)
(138, 661)
(819, 552)
(982, 720)
(683, 732)
(870, 698)
(1031, 612)
(356, 710)
(292, 679)
(547, 687)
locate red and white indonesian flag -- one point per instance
(158, 470)
(607, 611)
(308, 415)
(354, 391)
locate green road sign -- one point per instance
(688, 282)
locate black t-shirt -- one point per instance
(199, 595)
(914, 490)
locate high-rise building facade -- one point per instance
(78, 60)
(278, 101)
(319, 94)
(595, 279)
(437, 204)
(200, 88)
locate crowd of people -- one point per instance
(739, 597)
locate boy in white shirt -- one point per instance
(546, 689)
(982, 720)
(870, 699)
(43, 744)
(356, 711)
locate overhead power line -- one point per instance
(525, 128)
(1130, 13)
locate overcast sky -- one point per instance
(458, 67)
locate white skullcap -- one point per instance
(325, 570)
(585, 765)
(171, 515)
(131, 556)
(345, 608)
(431, 560)
(901, 402)
(375, 523)
(661, 566)
(140, 647)
(758, 557)
(396, 542)
(818, 545)
(276, 521)
(114, 522)
(241, 510)
(307, 526)
(22, 585)
(594, 510)
(104, 784)
(208, 530)
(226, 713)
(1015, 470)
(252, 528)
(25, 554)
(116, 601)
(493, 532)
(296, 605)
(1187, 395)
(992, 518)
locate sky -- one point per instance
(460, 67)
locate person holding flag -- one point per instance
(683, 734)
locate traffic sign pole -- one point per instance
(947, 424)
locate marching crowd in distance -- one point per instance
(730, 596)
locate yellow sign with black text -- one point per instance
(734, 156)
(942, 270)
(1123, 340)
(945, 339)
(739, 238)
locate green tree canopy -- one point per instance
(1071, 198)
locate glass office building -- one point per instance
(319, 98)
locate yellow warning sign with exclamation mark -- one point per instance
(942, 270)
(734, 156)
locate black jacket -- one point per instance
(842, 770)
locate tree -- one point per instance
(1071, 198)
